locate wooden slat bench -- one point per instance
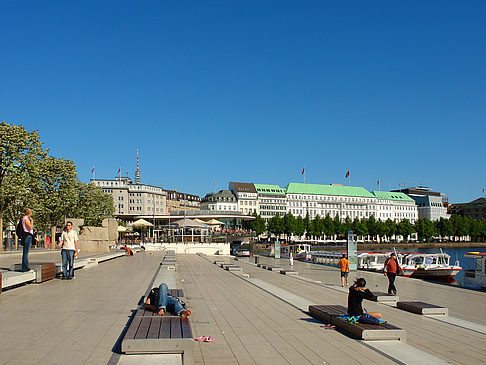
(159, 335)
(423, 308)
(384, 331)
(43, 270)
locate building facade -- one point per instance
(430, 203)
(475, 209)
(177, 201)
(246, 196)
(272, 200)
(133, 200)
(224, 201)
(395, 206)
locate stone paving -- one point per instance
(82, 321)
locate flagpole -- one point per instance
(304, 174)
(349, 178)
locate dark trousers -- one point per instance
(25, 252)
(391, 282)
(67, 260)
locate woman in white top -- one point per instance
(69, 245)
(28, 228)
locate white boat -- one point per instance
(475, 276)
(429, 266)
(373, 261)
(300, 251)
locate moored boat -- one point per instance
(475, 275)
(429, 266)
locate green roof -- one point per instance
(269, 189)
(391, 195)
(297, 188)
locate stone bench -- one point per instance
(274, 268)
(218, 262)
(288, 272)
(159, 335)
(13, 278)
(385, 298)
(384, 331)
(423, 308)
(232, 268)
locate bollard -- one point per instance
(256, 259)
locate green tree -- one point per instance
(328, 226)
(405, 228)
(299, 226)
(56, 192)
(359, 227)
(338, 225)
(391, 226)
(307, 226)
(289, 224)
(19, 152)
(258, 225)
(444, 227)
(93, 205)
(317, 226)
(382, 229)
(347, 225)
(372, 227)
(276, 225)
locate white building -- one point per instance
(224, 201)
(271, 201)
(133, 200)
(430, 203)
(395, 206)
(246, 196)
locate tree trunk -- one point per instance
(1, 232)
(53, 237)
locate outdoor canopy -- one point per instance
(142, 223)
(189, 223)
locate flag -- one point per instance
(303, 171)
(347, 173)
(119, 170)
(483, 190)
(378, 182)
(92, 170)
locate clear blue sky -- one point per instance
(253, 90)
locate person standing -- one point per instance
(344, 265)
(28, 228)
(291, 259)
(391, 270)
(69, 245)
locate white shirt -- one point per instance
(68, 239)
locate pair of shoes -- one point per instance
(204, 339)
(30, 270)
(329, 326)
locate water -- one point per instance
(456, 254)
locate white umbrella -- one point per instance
(142, 223)
(121, 229)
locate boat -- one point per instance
(373, 261)
(429, 266)
(300, 251)
(475, 275)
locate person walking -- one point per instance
(344, 265)
(69, 245)
(26, 240)
(391, 270)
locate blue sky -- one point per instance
(212, 92)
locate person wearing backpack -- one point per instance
(26, 239)
(391, 270)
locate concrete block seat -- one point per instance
(385, 298)
(159, 335)
(289, 272)
(274, 268)
(384, 331)
(12, 278)
(232, 268)
(423, 308)
(218, 262)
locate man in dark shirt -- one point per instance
(392, 268)
(358, 292)
(160, 301)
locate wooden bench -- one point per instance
(159, 335)
(384, 331)
(423, 308)
(43, 270)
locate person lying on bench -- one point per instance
(358, 292)
(160, 301)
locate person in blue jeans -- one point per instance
(160, 301)
(69, 244)
(26, 239)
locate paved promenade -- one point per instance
(255, 320)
